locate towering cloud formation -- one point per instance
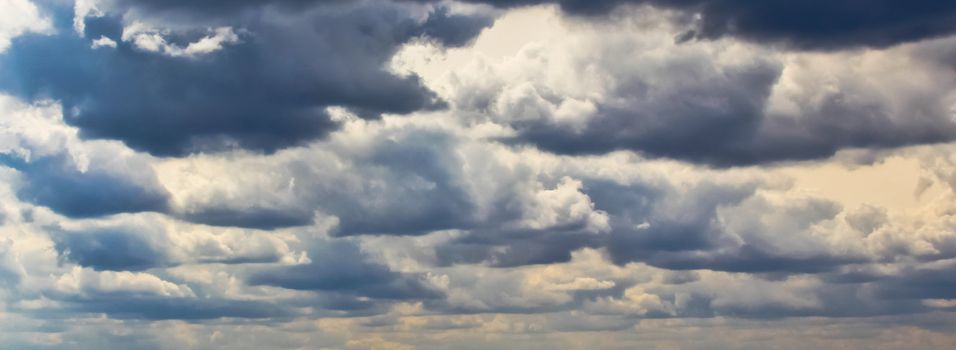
(628, 85)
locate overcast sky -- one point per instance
(477, 174)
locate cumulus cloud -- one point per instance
(71, 176)
(103, 41)
(261, 90)
(133, 243)
(149, 39)
(626, 84)
(83, 9)
(20, 17)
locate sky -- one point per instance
(477, 174)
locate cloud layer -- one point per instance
(386, 174)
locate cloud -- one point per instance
(83, 9)
(72, 177)
(806, 25)
(261, 90)
(81, 281)
(103, 42)
(149, 39)
(137, 295)
(18, 17)
(596, 178)
(627, 85)
(147, 241)
(403, 177)
(931, 282)
(109, 250)
(340, 267)
(396, 178)
(56, 184)
(414, 185)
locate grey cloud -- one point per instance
(144, 242)
(709, 120)
(919, 283)
(147, 305)
(722, 120)
(671, 228)
(264, 93)
(121, 306)
(511, 248)
(407, 184)
(55, 182)
(756, 237)
(658, 223)
(867, 219)
(109, 250)
(722, 103)
(339, 267)
(694, 232)
(9, 276)
(453, 29)
(257, 218)
(817, 24)
(425, 192)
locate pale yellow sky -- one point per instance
(890, 184)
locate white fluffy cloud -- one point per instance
(18, 17)
(147, 38)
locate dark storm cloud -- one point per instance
(453, 29)
(746, 259)
(722, 120)
(340, 267)
(449, 29)
(257, 218)
(813, 24)
(55, 182)
(509, 247)
(266, 92)
(839, 301)
(215, 8)
(109, 250)
(937, 282)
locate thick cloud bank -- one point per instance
(815, 24)
(258, 82)
(593, 88)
